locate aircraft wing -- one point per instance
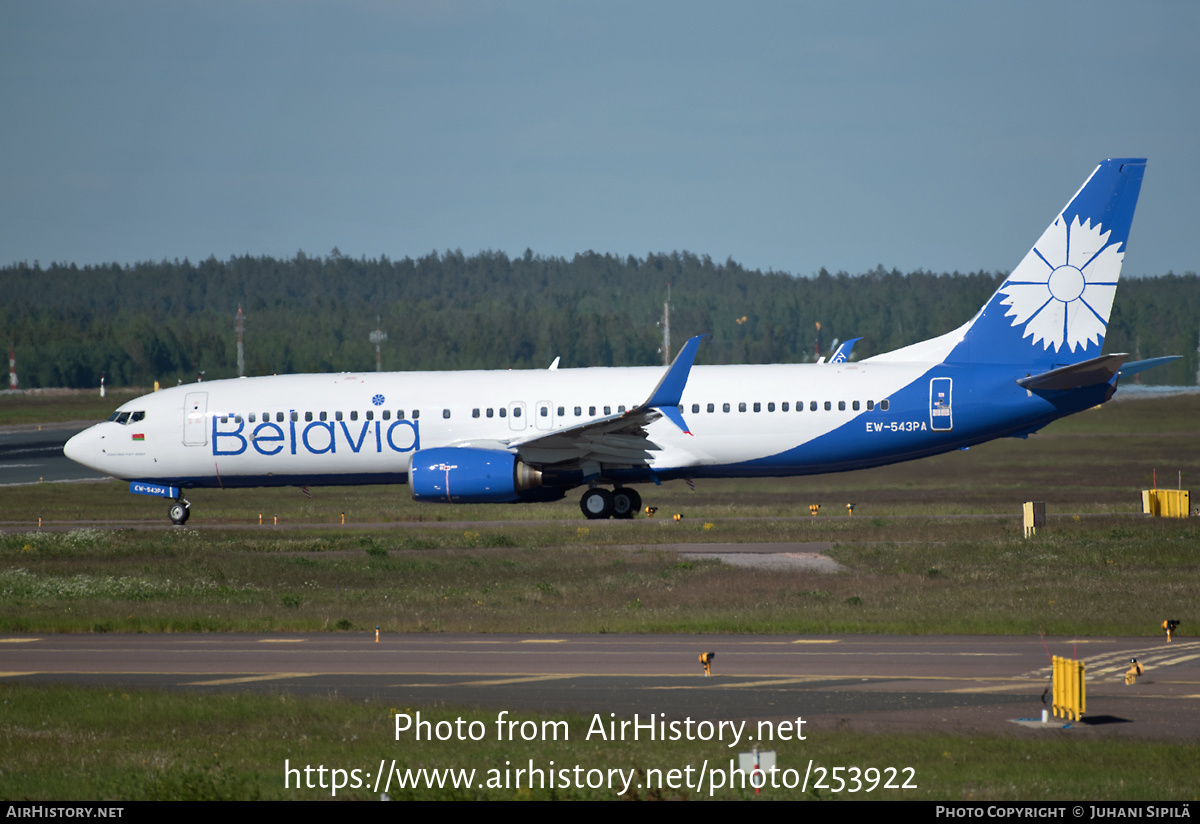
(620, 438)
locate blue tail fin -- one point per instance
(1053, 309)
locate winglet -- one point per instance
(666, 396)
(843, 352)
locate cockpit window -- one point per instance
(126, 417)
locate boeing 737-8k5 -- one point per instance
(1032, 354)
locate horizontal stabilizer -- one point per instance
(1133, 367)
(1088, 373)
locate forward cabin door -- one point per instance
(195, 429)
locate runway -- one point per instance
(947, 683)
(30, 454)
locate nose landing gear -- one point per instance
(598, 503)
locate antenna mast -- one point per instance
(667, 328)
(378, 337)
(241, 327)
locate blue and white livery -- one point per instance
(1032, 354)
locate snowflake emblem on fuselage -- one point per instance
(377, 400)
(1064, 288)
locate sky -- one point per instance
(788, 136)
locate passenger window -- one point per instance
(724, 407)
(308, 416)
(503, 412)
(354, 416)
(399, 414)
(279, 417)
(578, 411)
(370, 415)
(416, 414)
(828, 406)
(561, 411)
(621, 409)
(870, 405)
(757, 406)
(712, 407)
(324, 416)
(841, 406)
(387, 414)
(783, 407)
(812, 406)
(491, 412)
(295, 416)
(251, 417)
(770, 407)
(474, 413)
(544, 411)
(591, 411)
(883, 405)
(608, 410)
(695, 408)
(854, 406)
(237, 418)
(337, 415)
(445, 413)
(516, 411)
(742, 406)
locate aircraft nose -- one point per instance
(82, 449)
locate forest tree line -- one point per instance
(170, 321)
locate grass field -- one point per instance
(67, 743)
(1098, 568)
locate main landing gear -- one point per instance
(179, 511)
(598, 503)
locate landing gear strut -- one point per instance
(598, 503)
(179, 511)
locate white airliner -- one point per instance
(1032, 354)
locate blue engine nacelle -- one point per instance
(465, 475)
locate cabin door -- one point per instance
(195, 432)
(941, 415)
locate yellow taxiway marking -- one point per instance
(804, 679)
(15, 674)
(249, 679)
(543, 641)
(993, 688)
(281, 641)
(496, 682)
(1171, 661)
(818, 641)
(18, 640)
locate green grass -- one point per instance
(107, 744)
(41, 406)
(962, 576)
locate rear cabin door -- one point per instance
(941, 413)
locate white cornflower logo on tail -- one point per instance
(1064, 288)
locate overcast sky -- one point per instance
(786, 135)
